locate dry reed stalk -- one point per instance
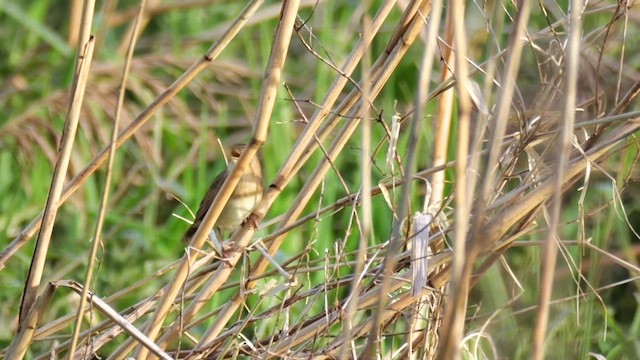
(462, 268)
(20, 344)
(111, 313)
(64, 321)
(426, 311)
(365, 225)
(97, 236)
(509, 215)
(106, 329)
(442, 123)
(273, 191)
(74, 22)
(397, 232)
(565, 138)
(145, 306)
(135, 125)
(383, 68)
(261, 124)
(318, 325)
(454, 312)
(25, 331)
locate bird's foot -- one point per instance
(251, 220)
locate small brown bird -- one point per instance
(242, 202)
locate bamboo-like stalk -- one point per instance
(442, 118)
(290, 167)
(105, 328)
(418, 320)
(64, 321)
(115, 317)
(20, 343)
(135, 312)
(550, 252)
(366, 217)
(75, 16)
(455, 310)
(36, 270)
(397, 235)
(97, 236)
(261, 126)
(386, 64)
(301, 151)
(180, 83)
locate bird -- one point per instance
(243, 200)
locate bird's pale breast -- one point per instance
(241, 203)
